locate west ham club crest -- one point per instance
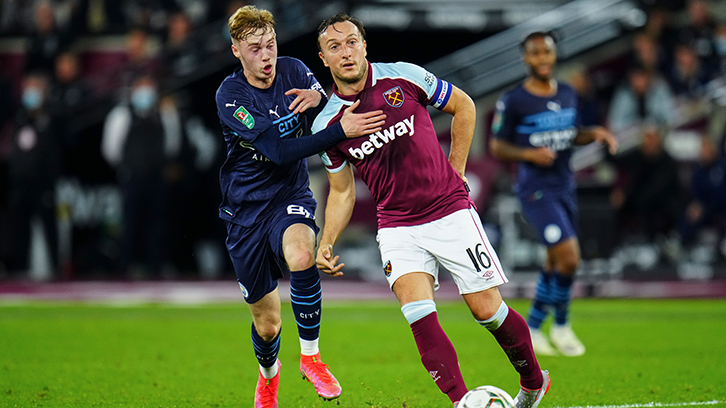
(394, 97)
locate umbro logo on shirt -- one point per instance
(379, 139)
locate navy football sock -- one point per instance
(542, 301)
(265, 351)
(561, 293)
(306, 297)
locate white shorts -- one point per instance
(457, 242)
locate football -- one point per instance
(486, 396)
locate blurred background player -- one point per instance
(265, 108)
(537, 124)
(425, 215)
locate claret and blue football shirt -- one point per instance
(407, 172)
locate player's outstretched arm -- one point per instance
(338, 211)
(597, 134)
(361, 124)
(463, 109)
(541, 156)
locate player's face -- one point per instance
(258, 55)
(540, 57)
(344, 52)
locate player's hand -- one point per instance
(361, 124)
(327, 262)
(541, 156)
(604, 137)
(306, 98)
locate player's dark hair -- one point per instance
(339, 18)
(536, 34)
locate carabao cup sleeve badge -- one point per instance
(245, 117)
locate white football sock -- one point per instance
(309, 347)
(270, 372)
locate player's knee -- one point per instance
(569, 264)
(300, 259)
(268, 329)
(486, 309)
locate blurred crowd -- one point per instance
(135, 118)
(670, 187)
(129, 117)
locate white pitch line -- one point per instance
(652, 405)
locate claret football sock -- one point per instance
(561, 293)
(438, 355)
(306, 298)
(513, 336)
(542, 300)
(266, 352)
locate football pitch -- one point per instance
(641, 353)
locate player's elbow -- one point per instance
(283, 157)
(464, 105)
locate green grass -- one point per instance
(76, 355)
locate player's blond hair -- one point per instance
(248, 20)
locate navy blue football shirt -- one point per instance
(528, 120)
(253, 184)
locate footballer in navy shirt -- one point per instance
(266, 109)
(537, 124)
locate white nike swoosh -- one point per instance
(229, 104)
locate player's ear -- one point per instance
(320, 54)
(235, 51)
(365, 48)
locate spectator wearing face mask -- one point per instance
(140, 140)
(34, 165)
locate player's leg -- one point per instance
(256, 270)
(553, 221)
(298, 250)
(511, 332)
(412, 273)
(298, 245)
(266, 328)
(539, 310)
(461, 245)
(565, 257)
(416, 294)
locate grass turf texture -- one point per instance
(76, 355)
